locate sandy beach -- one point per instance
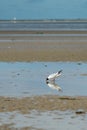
(43, 103)
(43, 47)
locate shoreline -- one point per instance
(44, 20)
(38, 31)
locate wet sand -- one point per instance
(43, 32)
(43, 103)
(40, 51)
(43, 48)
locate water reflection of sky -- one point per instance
(63, 120)
(28, 79)
(43, 9)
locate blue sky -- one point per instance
(43, 9)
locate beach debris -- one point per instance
(18, 74)
(67, 98)
(9, 47)
(84, 74)
(80, 111)
(79, 63)
(45, 65)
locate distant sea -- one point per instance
(43, 25)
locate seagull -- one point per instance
(53, 76)
(53, 85)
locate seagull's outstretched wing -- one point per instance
(54, 75)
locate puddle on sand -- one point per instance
(21, 79)
(47, 120)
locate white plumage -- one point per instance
(53, 76)
(53, 85)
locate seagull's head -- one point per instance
(47, 79)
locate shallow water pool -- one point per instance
(48, 120)
(22, 79)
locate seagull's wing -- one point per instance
(52, 76)
(58, 73)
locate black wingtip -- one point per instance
(60, 71)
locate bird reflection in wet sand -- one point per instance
(53, 85)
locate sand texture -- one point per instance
(43, 47)
(43, 103)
